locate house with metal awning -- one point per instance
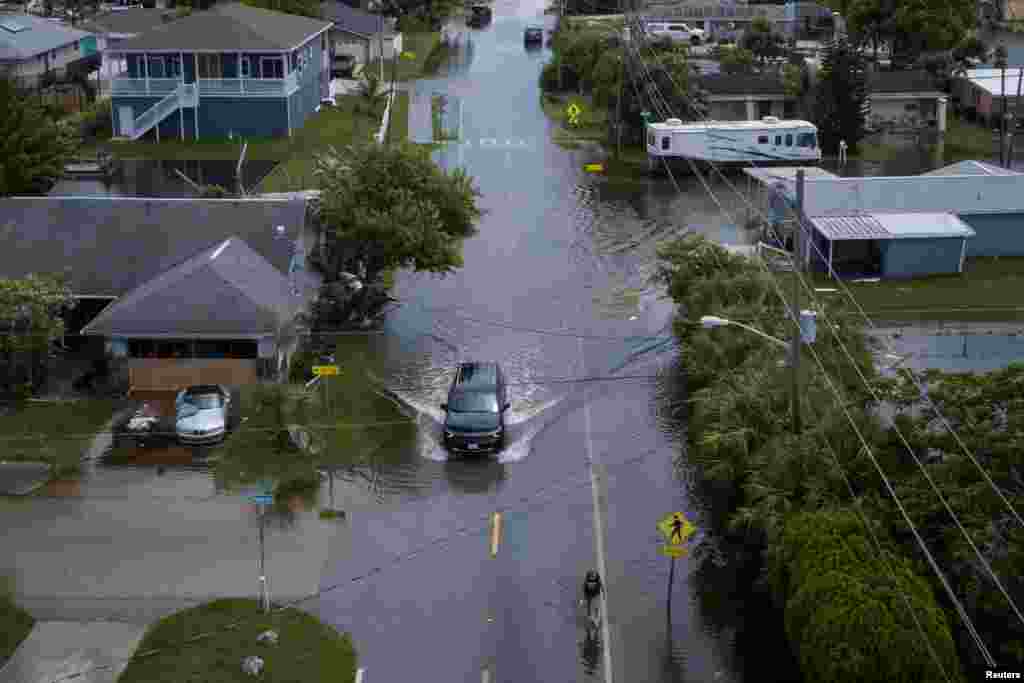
(901, 226)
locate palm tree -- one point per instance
(372, 90)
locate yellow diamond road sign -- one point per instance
(322, 370)
(675, 551)
(573, 112)
(676, 528)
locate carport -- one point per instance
(889, 245)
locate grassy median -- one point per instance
(197, 645)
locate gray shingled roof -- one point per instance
(129, 21)
(38, 36)
(111, 245)
(227, 289)
(905, 81)
(742, 84)
(229, 27)
(355, 20)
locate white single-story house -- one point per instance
(360, 34)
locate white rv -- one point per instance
(765, 142)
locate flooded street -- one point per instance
(555, 288)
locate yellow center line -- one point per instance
(495, 533)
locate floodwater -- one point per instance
(146, 178)
(555, 287)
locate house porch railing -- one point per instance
(230, 87)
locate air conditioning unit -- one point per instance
(770, 119)
(673, 122)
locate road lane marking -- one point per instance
(359, 675)
(597, 472)
(485, 675)
(495, 533)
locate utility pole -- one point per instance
(561, 27)
(618, 103)
(797, 267)
(381, 35)
(1016, 115)
(264, 595)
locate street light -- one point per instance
(808, 334)
(808, 327)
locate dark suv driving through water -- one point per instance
(475, 412)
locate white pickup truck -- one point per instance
(678, 32)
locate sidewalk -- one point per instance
(56, 649)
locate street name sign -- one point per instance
(262, 499)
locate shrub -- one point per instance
(549, 76)
(411, 24)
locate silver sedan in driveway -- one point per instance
(201, 414)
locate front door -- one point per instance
(126, 121)
(764, 108)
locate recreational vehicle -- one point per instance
(765, 142)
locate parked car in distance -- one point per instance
(533, 35)
(201, 414)
(475, 412)
(678, 32)
(342, 66)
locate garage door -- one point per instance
(159, 374)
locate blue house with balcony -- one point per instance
(230, 71)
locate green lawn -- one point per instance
(330, 126)
(398, 128)
(592, 122)
(307, 651)
(987, 291)
(422, 46)
(964, 140)
(58, 433)
(15, 625)
(338, 126)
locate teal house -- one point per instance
(232, 71)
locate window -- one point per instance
(789, 109)
(156, 67)
(245, 68)
(789, 140)
(271, 67)
(762, 140)
(910, 106)
(806, 140)
(209, 66)
(474, 402)
(666, 142)
(173, 66)
(778, 139)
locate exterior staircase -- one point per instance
(182, 96)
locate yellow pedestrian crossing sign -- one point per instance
(573, 112)
(676, 528)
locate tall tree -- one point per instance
(31, 319)
(383, 208)
(841, 96)
(762, 41)
(33, 148)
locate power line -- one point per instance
(921, 389)
(575, 481)
(781, 296)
